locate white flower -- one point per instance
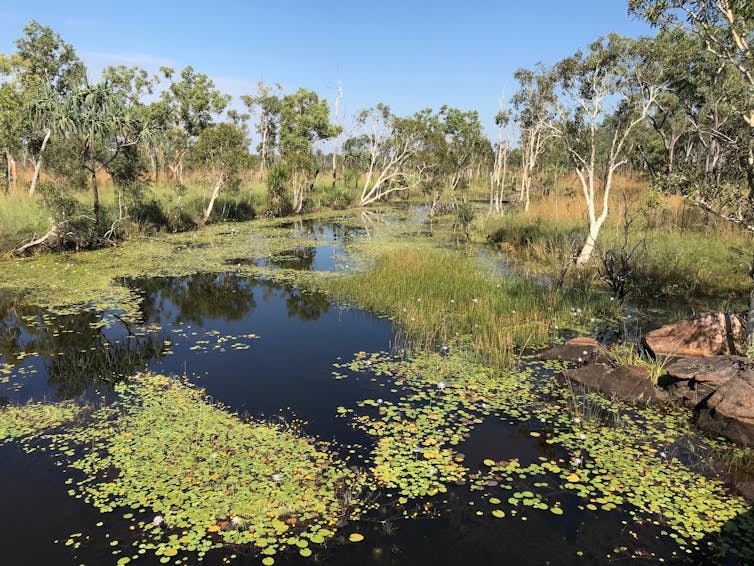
(580, 360)
(158, 520)
(474, 300)
(577, 420)
(663, 455)
(441, 385)
(582, 436)
(577, 461)
(213, 455)
(584, 353)
(236, 520)
(380, 401)
(452, 300)
(276, 478)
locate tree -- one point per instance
(387, 148)
(727, 28)
(606, 94)
(534, 105)
(304, 120)
(223, 149)
(189, 105)
(98, 122)
(500, 166)
(266, 104)
(44, 70)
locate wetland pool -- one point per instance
(458, 466)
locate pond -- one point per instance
(466, 469)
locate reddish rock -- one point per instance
(629, 383)
(708, 334)
(577, 350)
(729, 411)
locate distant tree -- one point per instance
(304, 120)
(533, 107)
(189, 104)
(606, 94)
(387, 151)
(266, 104)
(223, 149)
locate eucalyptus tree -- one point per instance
(10, 127)
(605, 94)
(499, 171)
(534, 109)
(387, 149)
(727, 29)
(304, 120)
(190, 103)
(223, 149)
(266, 103)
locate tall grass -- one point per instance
(441, 298)
(685, 252)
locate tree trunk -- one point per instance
(38, 164)
(95, 198)
(211, 204)
(591, 242)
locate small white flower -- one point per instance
(580, 360)
(578, 310)
(441, 385)
(236, 520)
(584, 353)
(380, 401)
(419, 300)
(543, 419)
(158, 520)
(474, 300)
(452, 300)
(577, 461)
(213, 455)
(577, 420)
(417, 449)
(514, 312)
(276, 478)
(582, 436)
(663, 455)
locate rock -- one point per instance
(690, 392)
(715, 370)
(729, 411)
(708, 334)
(629, 383)
(746, 489)
(583, 341)
(577, 350)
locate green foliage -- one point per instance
(277, 189)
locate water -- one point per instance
(266, 350)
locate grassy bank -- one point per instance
(441, 298)
(678, 250)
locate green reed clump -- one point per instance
(439, 297)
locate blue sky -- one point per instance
(409, 55)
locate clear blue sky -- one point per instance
(407, 54)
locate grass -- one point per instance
(441, 298)
(685, 253)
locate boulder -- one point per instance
(714, 370)
(629, 383)
(576, 350)
(690, 392)
(708, 334)
(729, 411)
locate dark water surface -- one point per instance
(201, 326)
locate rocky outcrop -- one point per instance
(714, 370)
(629, 383)
(729, 411)
(708, 334)
(698, 378)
